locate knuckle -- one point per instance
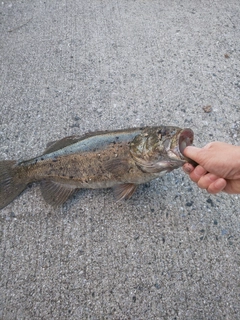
(201, 184)
(210, 145)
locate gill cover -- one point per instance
(158, 149)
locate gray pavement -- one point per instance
(67, 67)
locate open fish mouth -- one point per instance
(185, 139)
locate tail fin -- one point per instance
(10, 185)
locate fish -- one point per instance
(120, 159)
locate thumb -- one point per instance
(192, 153)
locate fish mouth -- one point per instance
(183, 140)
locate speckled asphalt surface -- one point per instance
(67, 67)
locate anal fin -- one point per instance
(124, 191)
(56, 193)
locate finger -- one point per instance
(232, 187)
(205, 181)
(197, 173)
(217, 186)
(188, 168)
(191, 152)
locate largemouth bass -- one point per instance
(121, 159)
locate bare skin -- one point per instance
(218, 169)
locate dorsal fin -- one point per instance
(59, 144)
(56, 145)
(56, 193)
(107, 137)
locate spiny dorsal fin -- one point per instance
(124, 191)
(56, 193)
(67, 141)
(59, 144)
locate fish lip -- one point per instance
(184, 139)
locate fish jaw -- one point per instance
(161, 148)
(183, 139)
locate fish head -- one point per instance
(159, 149)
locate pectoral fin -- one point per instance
(124, 191)
(154, 166)
(56, 193)
(117, 166)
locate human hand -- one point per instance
(218, 169)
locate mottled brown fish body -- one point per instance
(89, 169)
(121, 159)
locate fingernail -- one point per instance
(187, 168)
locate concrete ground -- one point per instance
(72, 66)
